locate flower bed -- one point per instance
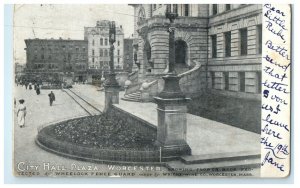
(103, 137)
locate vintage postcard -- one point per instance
(151, 90)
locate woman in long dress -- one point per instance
(21, 113)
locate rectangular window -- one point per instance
(243, 41)
(212, 75)
(227, 39)
(101, 52)
(258, 82)
(77, 49)
(118, 52)
(93, 52)
(226, 80)
(227, 7)
(106, 42)
(213, 46)
(242, 81)
(259, 39)
(215, 9)
(101, 41)
(93, 60)
(83, 49)
(186, 10)
(175, 8)
(118, 43)
(154, 6)
(93, 42)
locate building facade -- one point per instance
(98, 46)
(224, 38)
(52, 58)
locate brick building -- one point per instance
(217, 47)
(98, 46)
(52, 58)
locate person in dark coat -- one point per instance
(30, 86)
(38, 89)
(51, 97)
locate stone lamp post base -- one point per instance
(112, 90)
(172, 127)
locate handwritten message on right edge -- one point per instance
(276, 63)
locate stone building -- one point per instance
(53, 58)
(217, 48)
(98, 46)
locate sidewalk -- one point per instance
(203, 135)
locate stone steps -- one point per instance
(226, 165)
(230, 156)
(134, 97)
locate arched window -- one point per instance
(180, 52)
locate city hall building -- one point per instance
(217, 48)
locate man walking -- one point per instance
(51, 97)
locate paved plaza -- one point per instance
(204, 136)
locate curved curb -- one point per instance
(87, 159)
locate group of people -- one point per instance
(30, 86)
(21, 112)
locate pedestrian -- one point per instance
(26, 85)
(37, 89)
(21, 113)
(51, 97)
(30, 86)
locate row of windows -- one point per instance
(184, 9)
(50, 50)
(103, 53)
(241, 81)
(243, 42)
(55, 57)
(105, 42)
(227, 8)
(93, 60)
(155, 6)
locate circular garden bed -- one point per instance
(106, 137)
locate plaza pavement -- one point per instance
(203, 135)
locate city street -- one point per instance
(40, 113)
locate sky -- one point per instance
(65, 21)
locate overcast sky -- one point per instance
(66, 21)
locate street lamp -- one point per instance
(111, 85)
(171, 87)
(112, 39)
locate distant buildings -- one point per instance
(52, 58)
(98, 46)
(19, 70)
